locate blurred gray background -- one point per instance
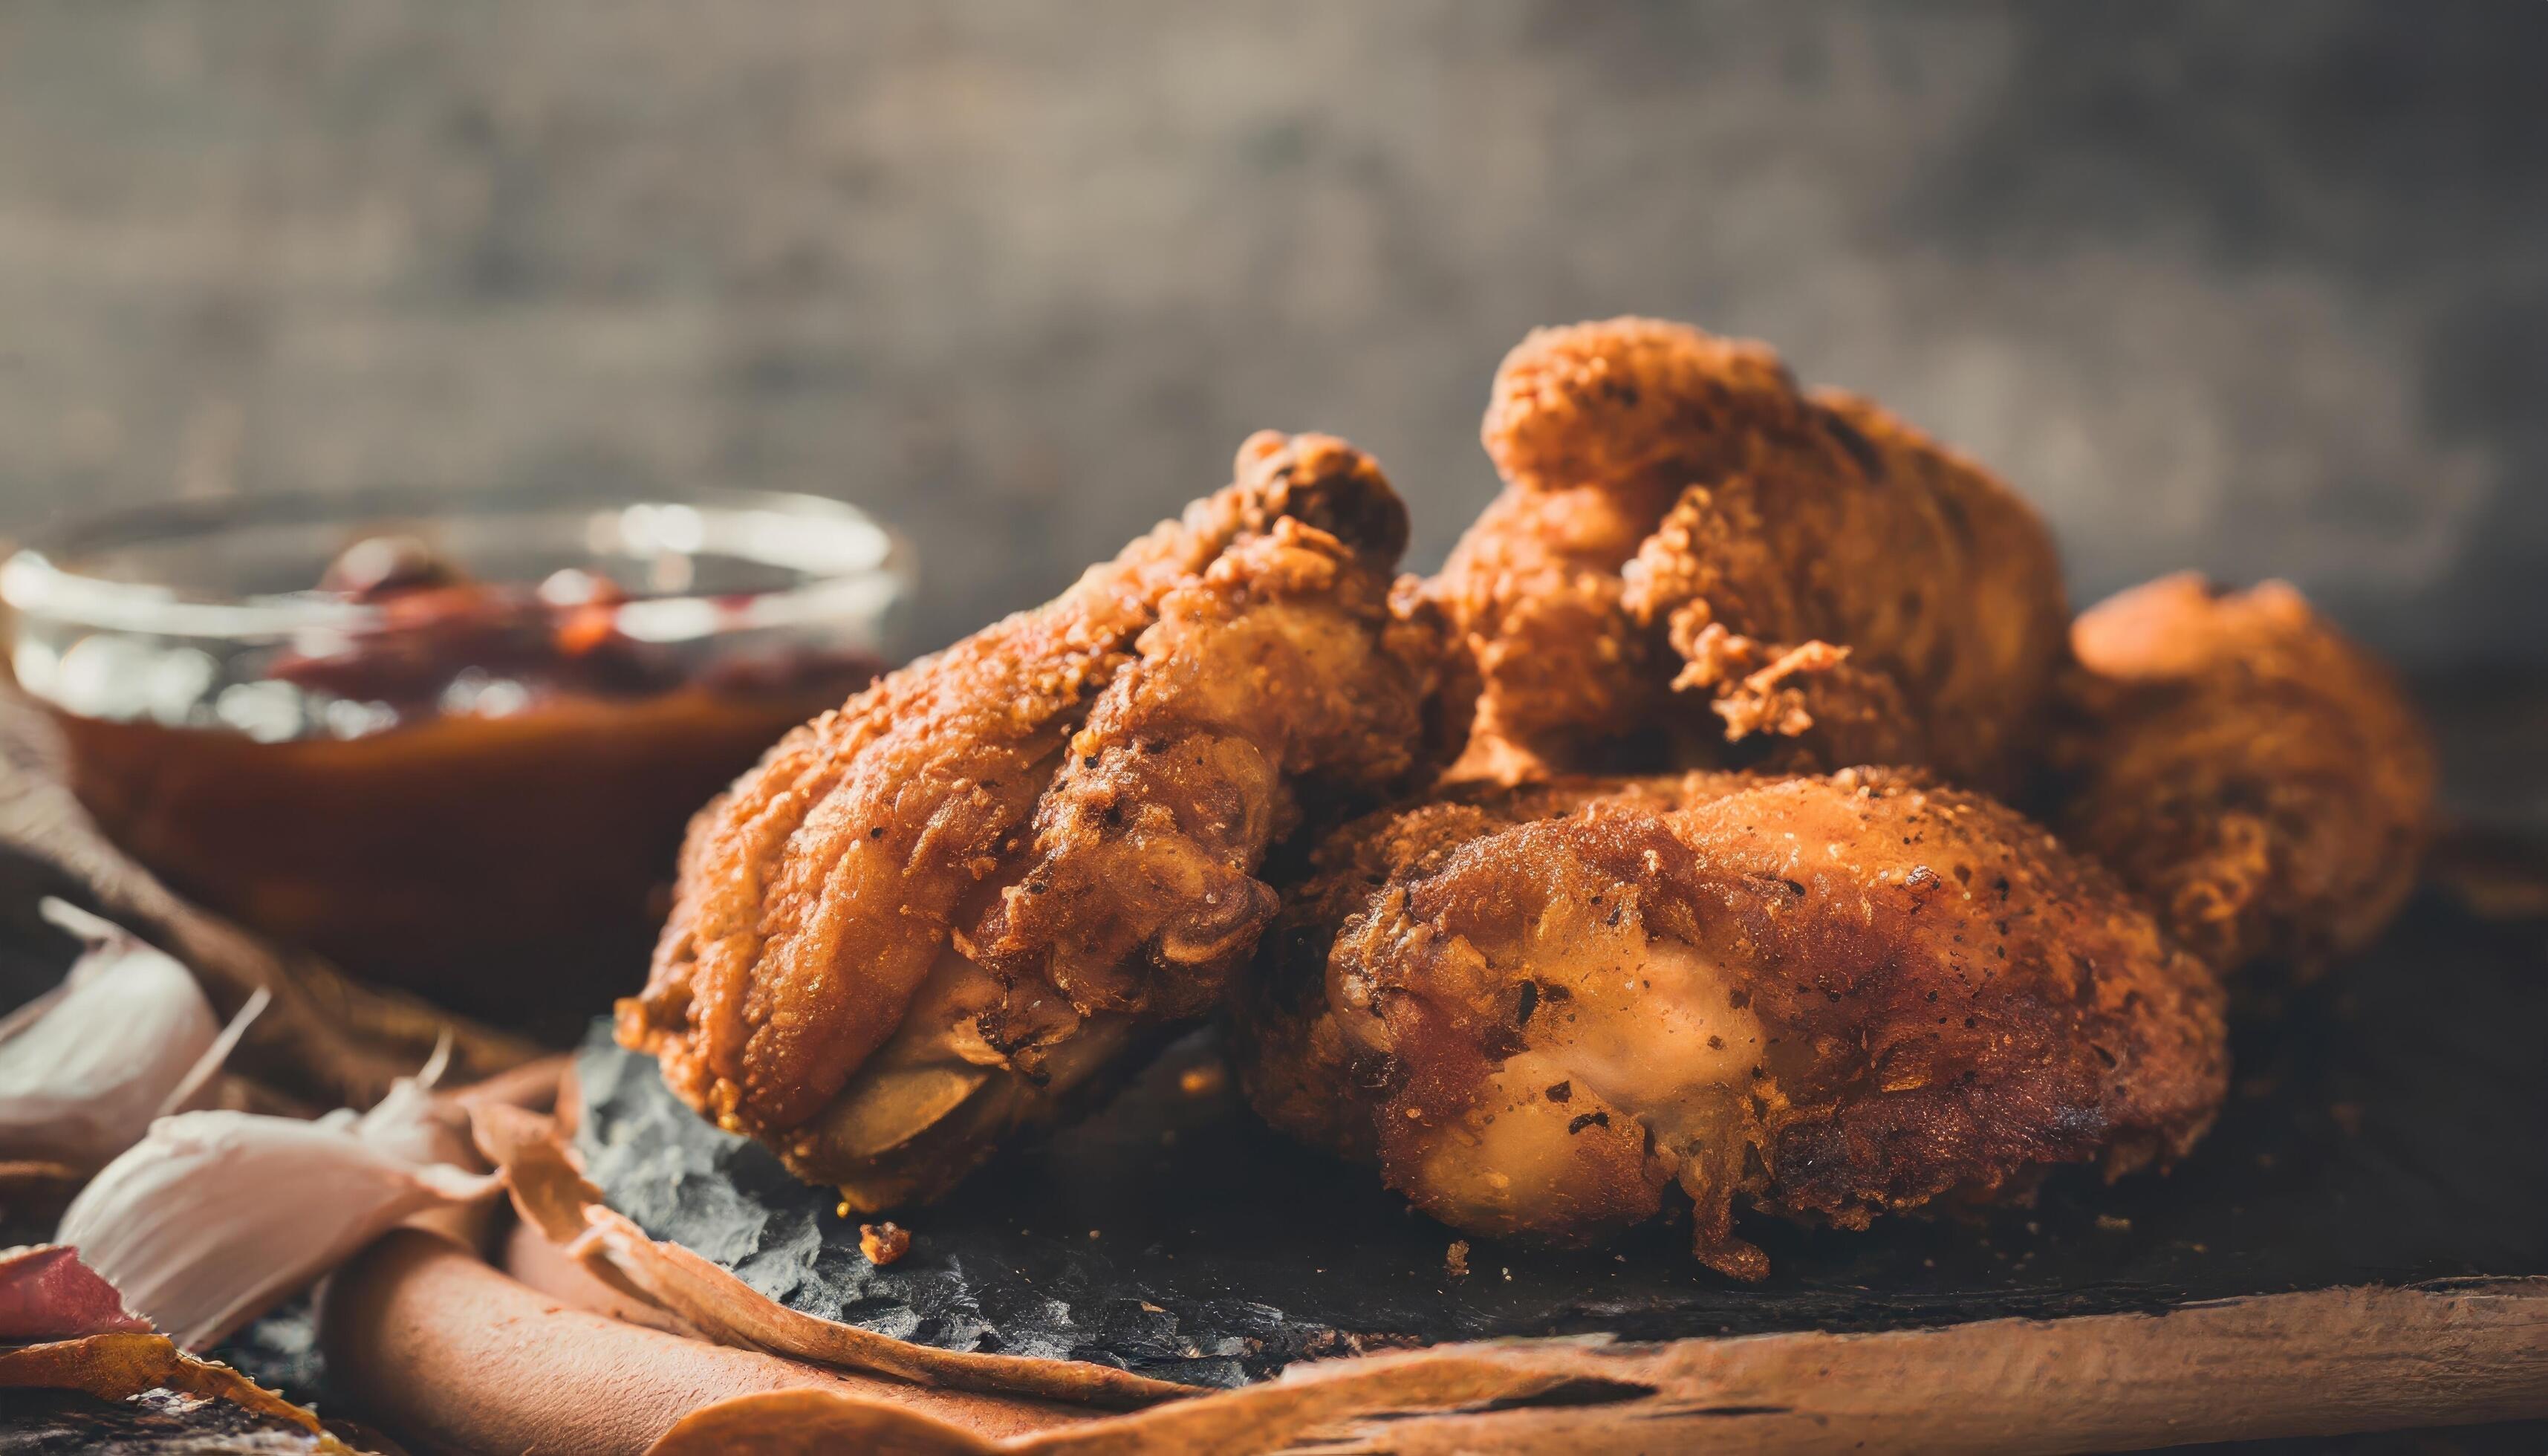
(2261, 288)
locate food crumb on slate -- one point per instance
(884, 1243)
(1455, 1259)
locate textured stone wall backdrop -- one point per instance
(2261, 288)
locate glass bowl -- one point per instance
(448, 740)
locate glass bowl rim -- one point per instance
(867, 577)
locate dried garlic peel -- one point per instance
(216, 1216)
(84, 1068)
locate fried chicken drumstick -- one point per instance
(927, 918)
(1685, 538)
(2263, 782)
(1823, 997)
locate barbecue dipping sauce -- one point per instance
(505, 843)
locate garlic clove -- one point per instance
(86, 1067)
(216, 1216)
(48, 1293)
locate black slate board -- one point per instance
(2385, 1129)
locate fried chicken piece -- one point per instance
(2261, 780)
(935, 915)
(1688, 541)
(1820, 997)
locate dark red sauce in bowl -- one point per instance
(457, 752)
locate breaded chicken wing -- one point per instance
(2263, 782)
(929, 918)
(1687, 543)
(1821, 997)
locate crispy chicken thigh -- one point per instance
(1824, 997)
(1690, 547)
(2263, 782)
(929, 918)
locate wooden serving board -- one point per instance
(506, 1369)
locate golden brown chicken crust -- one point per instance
(1533, 587)
(1128, 748)
(1139, 892)
(1627, 404)
(1686, 537)
(1823, 997)
(1301, 1057)
(2262, 780)
(1581, 425)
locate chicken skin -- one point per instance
(2261, 780)
(1539, 1009)
(939, 913)
(1692, 549)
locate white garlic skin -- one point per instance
(85, 1069)
(216, 1217)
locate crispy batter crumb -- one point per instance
(1203, 1081)
(1455, 1259)
(883, 1243)
(2113, 1225)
